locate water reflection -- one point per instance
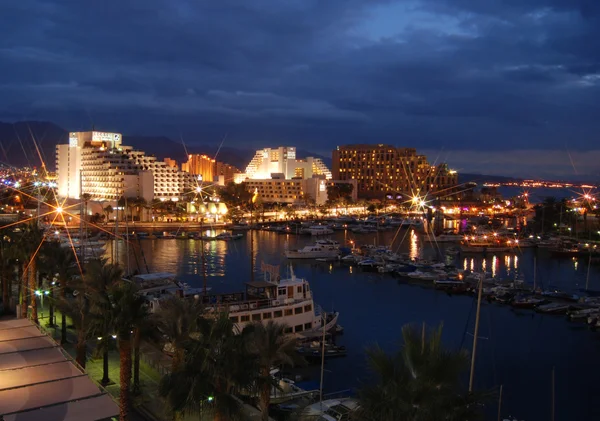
(414, 245)
(228, 262)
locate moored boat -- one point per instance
(330, 410)
(319, 230)
(315, 251)
(227, 236)
(286, 301)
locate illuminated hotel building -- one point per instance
(109, 170)
(283, 160)
(200, 165)
(225, 173)
(280, 190)
(171, 163)
(381, 169)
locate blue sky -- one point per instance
(488, 82)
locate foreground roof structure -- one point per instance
(40, 381)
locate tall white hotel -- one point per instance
(98, 164)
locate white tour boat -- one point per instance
(319, 250)
(286, 301)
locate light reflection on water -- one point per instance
(414, 245)
(229, 261)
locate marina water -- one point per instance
(517, 348)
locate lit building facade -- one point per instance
(282, 160)
(295, 191)
(225, 173)
(200, 165)
(380, 169)
(96, 163)
(172, 163)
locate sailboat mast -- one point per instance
(553, 394)
(203, 255)
(81, 216)
(587, 277)
(250, 233)
(116, 248)
(127, 237)
(472, 375)
(324, 316)
(534, 273)
(500, 404)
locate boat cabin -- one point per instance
(286, 289)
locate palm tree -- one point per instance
(146, 328)
(177, 319)
(272, 347)
(107, 211)
(140, 205)
(31, 242)
(77, 309)
(61, 261)
(216, 366)
(126, 310)
(419, 382)
(7, 261)
(100, 277)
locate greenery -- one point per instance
(551, 215)
(271, 347)
(419, 382)
(236, 195)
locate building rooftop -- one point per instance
(39, 380)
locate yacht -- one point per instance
(443, 238)
(155, 287)
(319, 250)
(330, 410)
(485, 245)
(227, 236)
(242, 226)
(320, 230)
(287, 301)
(412, 222)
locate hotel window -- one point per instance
(277, 314)
(288, 312)
(299, 328)
(234, 319)
(256, 317)
(266, 316)
(307, 326)
(298, 310)
(245, 318)
(307, 308)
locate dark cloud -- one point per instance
(453, 74)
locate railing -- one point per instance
(233, 307)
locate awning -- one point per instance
(39, 381)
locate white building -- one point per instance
(295, 191)
(282, 160)
(108, 170)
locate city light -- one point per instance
(59, 209)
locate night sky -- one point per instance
(495, 86)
